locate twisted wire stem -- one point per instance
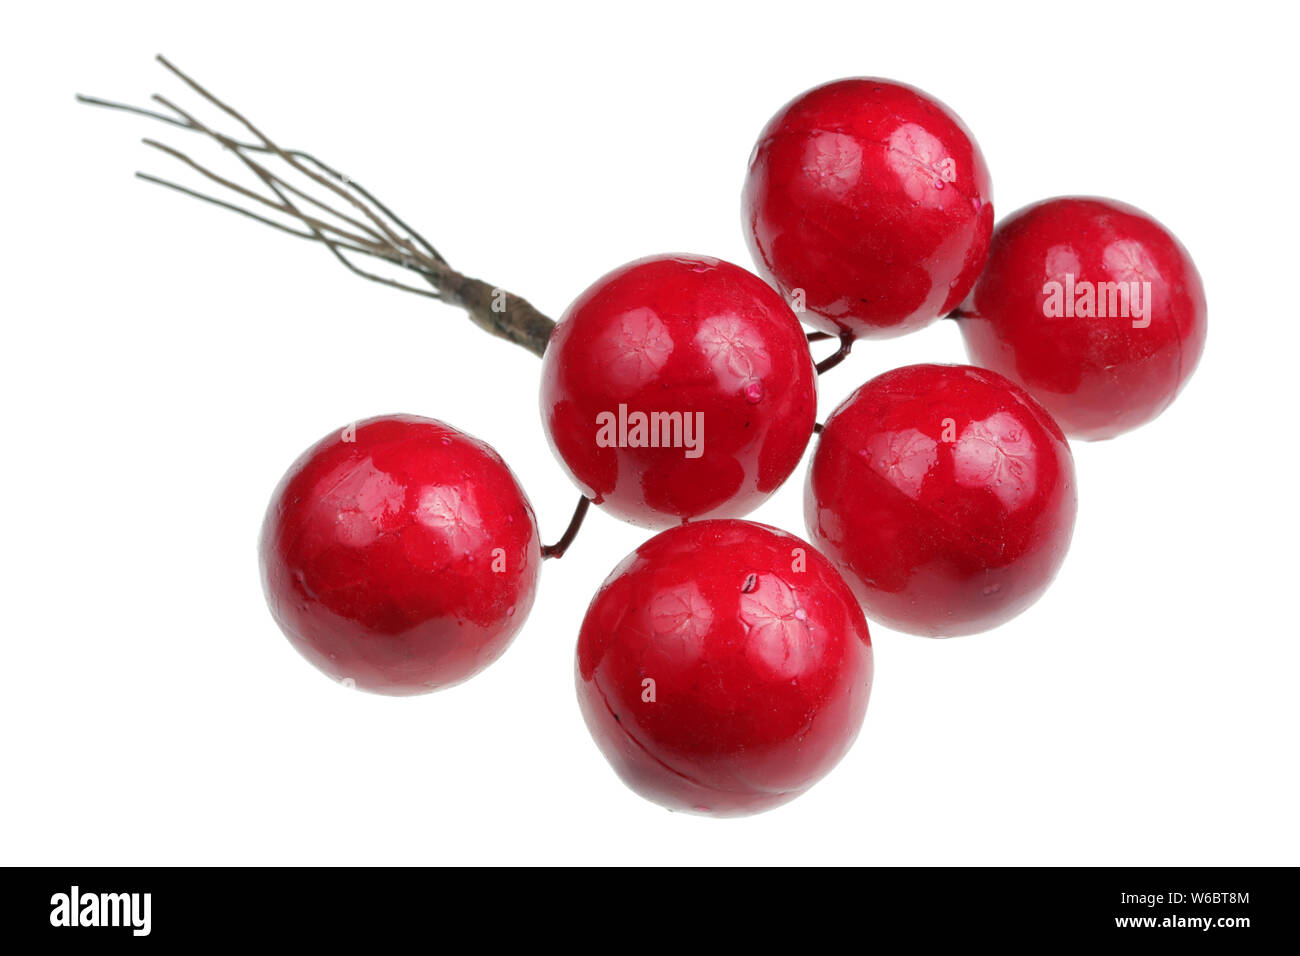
(323, 205)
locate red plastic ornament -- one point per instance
(678, 387)
(724, 667)
(1092, 306)
(400, 554)
(869, 201)
(946, 495)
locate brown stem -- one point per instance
(242, 191)
(377, 232)
(203, 197)
(495, 311)
(265, 141)
(257, 148)
(839, 355)
(272, 183)
(579, 513)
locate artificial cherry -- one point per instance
(678, 387)
(400, 554)
(871, 201)
(723, 667)
(1092, 306)
(946, 495)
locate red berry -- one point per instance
(724, 667)
(1094, 307)
(872, 198)
(695, 356)
(946, 496)
(400, 554)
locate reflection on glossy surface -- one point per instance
(998, 453)
(833, 162)
(636, 345)
(872, 198)
(1111, 352)
(903, 458)
(781, 641)
(758, 657)
(686, 336)
(736, 352)
(920, 163)
(946, 495)
(402, 556)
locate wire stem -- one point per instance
(839, 355)
(575, 523)
(375, 231)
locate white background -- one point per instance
(164, 362)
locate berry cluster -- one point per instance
(725, 666)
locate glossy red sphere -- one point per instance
(946, 495)
(1092, 306)
(873, 199)
(400, 554)
(678, 387)
(724, 668)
